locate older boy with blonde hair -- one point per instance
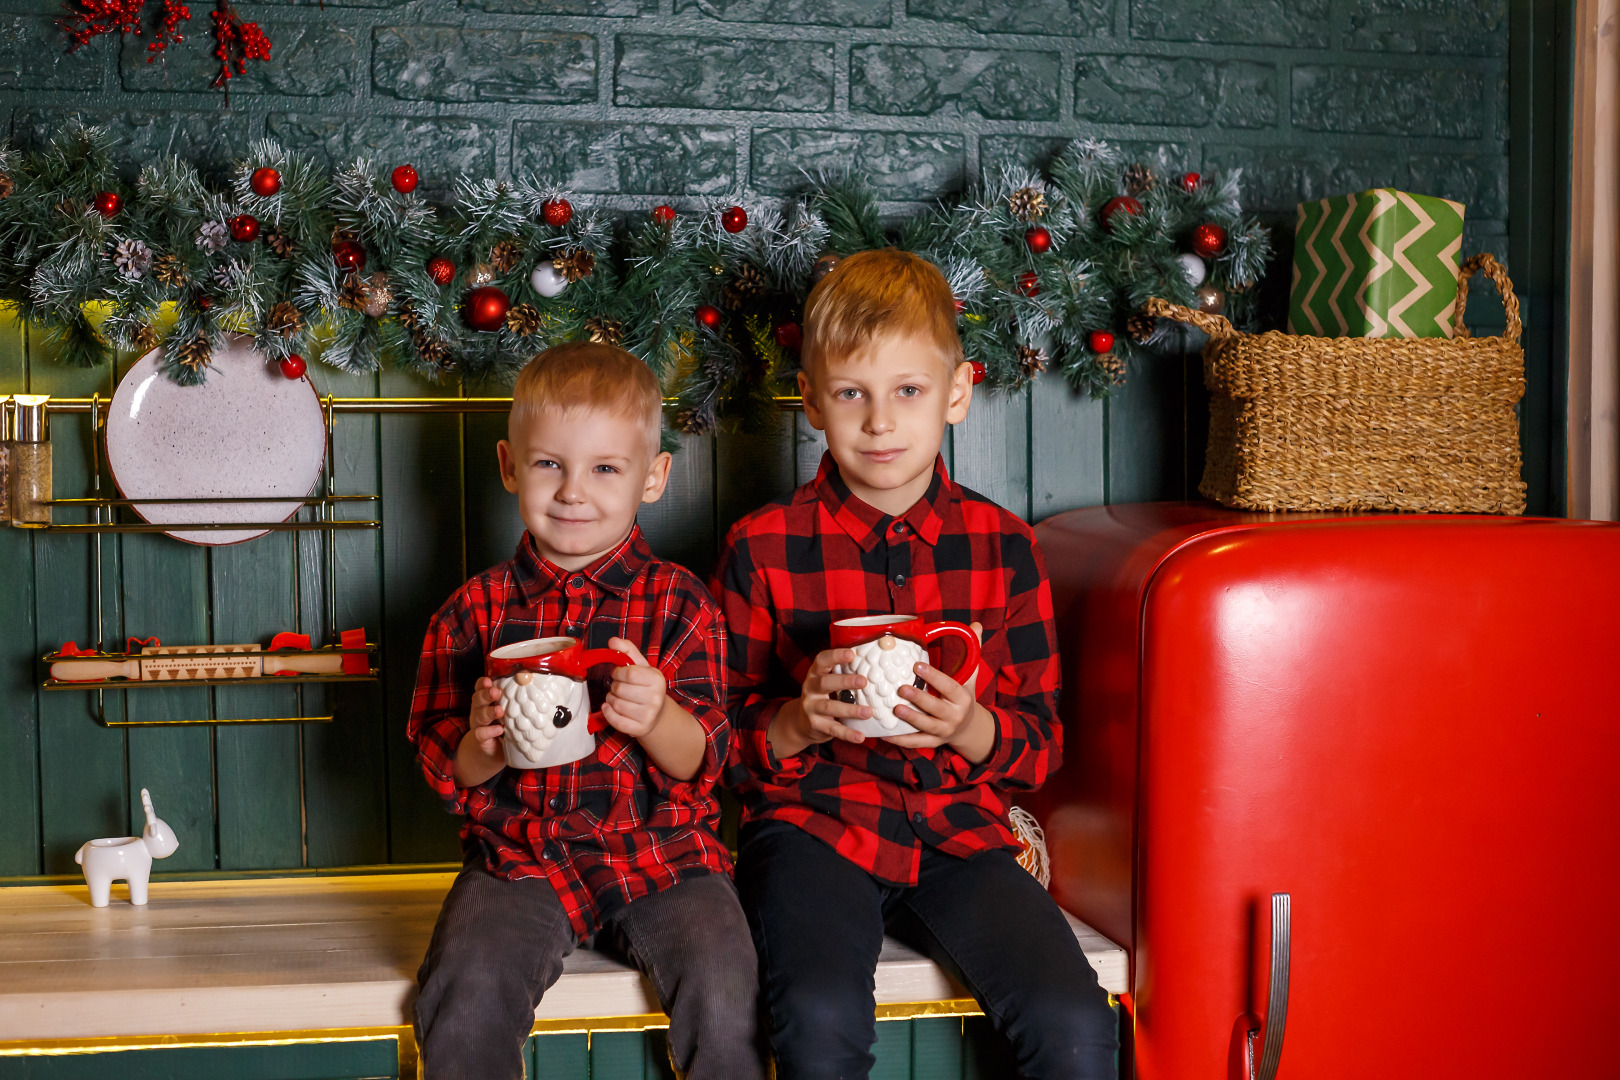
(846, 836)
(620, 846)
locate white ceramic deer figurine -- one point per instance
(126, 858)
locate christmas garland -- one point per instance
(1049, 272)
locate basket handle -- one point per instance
(1215, 326)
(1499, 277)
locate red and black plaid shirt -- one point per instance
(790, 568)
(612, 827)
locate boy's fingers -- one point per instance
(828, 659)
(830, 683)
(943, 685)
(916, 742)
(624, 646)
(922, 721)
(832, 727)
(830, 707)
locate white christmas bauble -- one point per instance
(1193, 266)
(547, 720)
(888, 664)
(546, 281)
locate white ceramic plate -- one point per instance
(248, 430)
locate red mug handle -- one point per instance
(589, 658)
(970, 662)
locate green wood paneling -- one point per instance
(19, 717)
(936, 1048)
(559, 1057)
(681, 525)
(1066, 448)
(991, 449)
(892, 1051)
(369, 1060)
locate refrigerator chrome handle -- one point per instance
(1277, 997)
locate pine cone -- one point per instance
(284, 320)
(575, 264)
(694, 421)
(279, 242)
(406, 313)
(340, 236)
(228, 273)
(1113, 365)
(194, 354)
(430, 348)
(749, 284)
(170, 271)
(212, 235)
(524, 319)
(1031, 361)
(1027, 203)
(67, 207)
(353, 293)
(504, 255)
(604, 331)
(1141, 328)
(1138, 178)
(145, 339)
(7, 186)
(132, 258)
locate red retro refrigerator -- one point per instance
(1347, 788)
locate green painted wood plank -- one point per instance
(1147, 433)
(19, 733)
(370, 1059)
(345, 762)
(808, 446)
(1066, 448)
(936, 1048)
(493, 525)
(752, 469)
(258, 766)
(991, 449)
(655, 1056)
(82, 765)
(618, 1055)
(680, 526)
(559, 1057)
(892, 1051)
(424, 561)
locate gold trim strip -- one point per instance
(107, 1044)
(401, 404)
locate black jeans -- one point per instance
(499, 945)
(818, 922)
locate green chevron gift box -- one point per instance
(1380, 264)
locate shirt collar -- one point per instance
(615, 571)
(867, 525)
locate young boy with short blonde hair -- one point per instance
(847, 836)
(621, 845)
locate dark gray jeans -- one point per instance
(499, 945)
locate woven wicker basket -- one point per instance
(1349, 423)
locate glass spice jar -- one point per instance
(30, 461)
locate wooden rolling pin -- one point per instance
(165, 662)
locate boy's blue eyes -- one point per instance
(547, 463)
(849, 393)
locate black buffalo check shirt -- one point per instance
(792, 567)
(611, 827)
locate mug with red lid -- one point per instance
(887, 650)
(543, 693)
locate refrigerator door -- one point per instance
(1410, 725)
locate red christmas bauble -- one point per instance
(244, 227)
(293, 367)
(441, 270)
(205, 302)
(789, 336)
(404, 179)
(485, 308)
(1101, 341)
(109, 203)
(1208, 239)
(734, 220)
(557, 212)
(708, 316)
(1190, 182)
(1027, 283)
(265, 181)
(349, 255)
(1039, 239)
(979, 371)
(1119, 204)
(956, 302)
(664, 215)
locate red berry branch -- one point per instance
(89, 19)
(235, 43)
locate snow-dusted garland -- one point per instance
(356, 268)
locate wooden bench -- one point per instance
(312, 959)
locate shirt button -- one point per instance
(899, 526)
(550, 852)
(577, 581)
(917, 816)
(556, 802)
(899, 581)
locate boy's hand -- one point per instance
(814, 716)
(950, 714)
(480, 754)
(636, 697)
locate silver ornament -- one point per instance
(1193, 266)
(378, 295)
(546, 280)
(480, 274)
(825, 263)
(1211, 300)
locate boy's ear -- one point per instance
(812, 408)
(503, 451)
(961, 388)
(657, 478)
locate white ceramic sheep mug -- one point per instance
(887, 650)
(543, 694)
(126, 858)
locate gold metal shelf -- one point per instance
(395, 405)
